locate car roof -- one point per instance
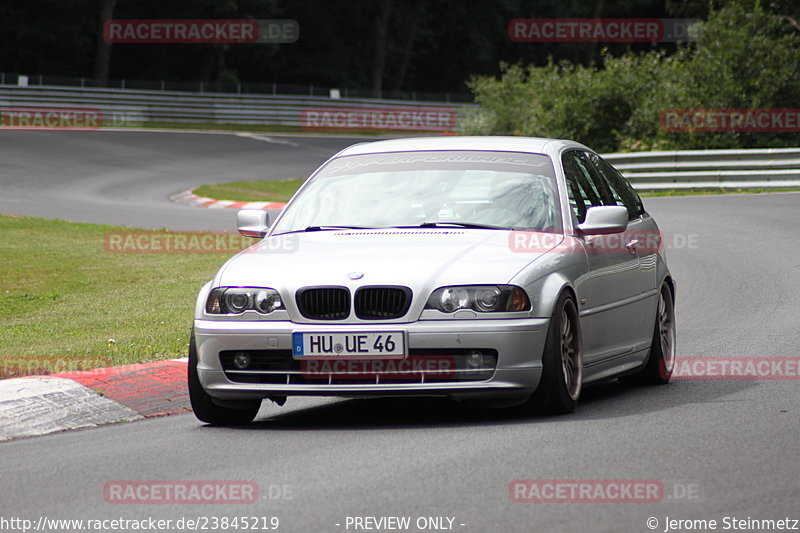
(533, 145)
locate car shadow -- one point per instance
(607, 400)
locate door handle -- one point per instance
(631, 246)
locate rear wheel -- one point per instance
(562, 362)
(203, 405)
(661, 361)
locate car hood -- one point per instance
(418, 258)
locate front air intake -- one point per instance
(324, 303)
(377, 303)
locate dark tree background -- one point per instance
(371, 45)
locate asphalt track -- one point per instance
(722, 448)
(126, 178)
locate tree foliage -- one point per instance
(427, 45)
(743, 58)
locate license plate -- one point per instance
(350, 345)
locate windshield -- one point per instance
(483, 189)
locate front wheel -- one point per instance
(203, 405)
(562, 362)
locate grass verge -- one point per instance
(63, 296)
(251, 191)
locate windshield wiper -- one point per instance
(445, 224)
(323, 228)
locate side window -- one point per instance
(596, 181)
(581, 191)
(622, 191)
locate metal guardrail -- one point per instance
(693, 169)
(251, 88)
(686, 169)
(127, 107)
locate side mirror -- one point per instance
(252, 222)
(605, 219)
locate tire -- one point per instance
(562, 362)
(661, 360)
(203, 405)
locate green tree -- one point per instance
(742, 59)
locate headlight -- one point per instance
(453, 298)
(481, 298)
(237, 300)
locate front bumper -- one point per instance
(518, 343)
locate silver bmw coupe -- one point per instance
(506, 270)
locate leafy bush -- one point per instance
(741, 60)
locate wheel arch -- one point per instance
(670, 283)
(546, 291)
